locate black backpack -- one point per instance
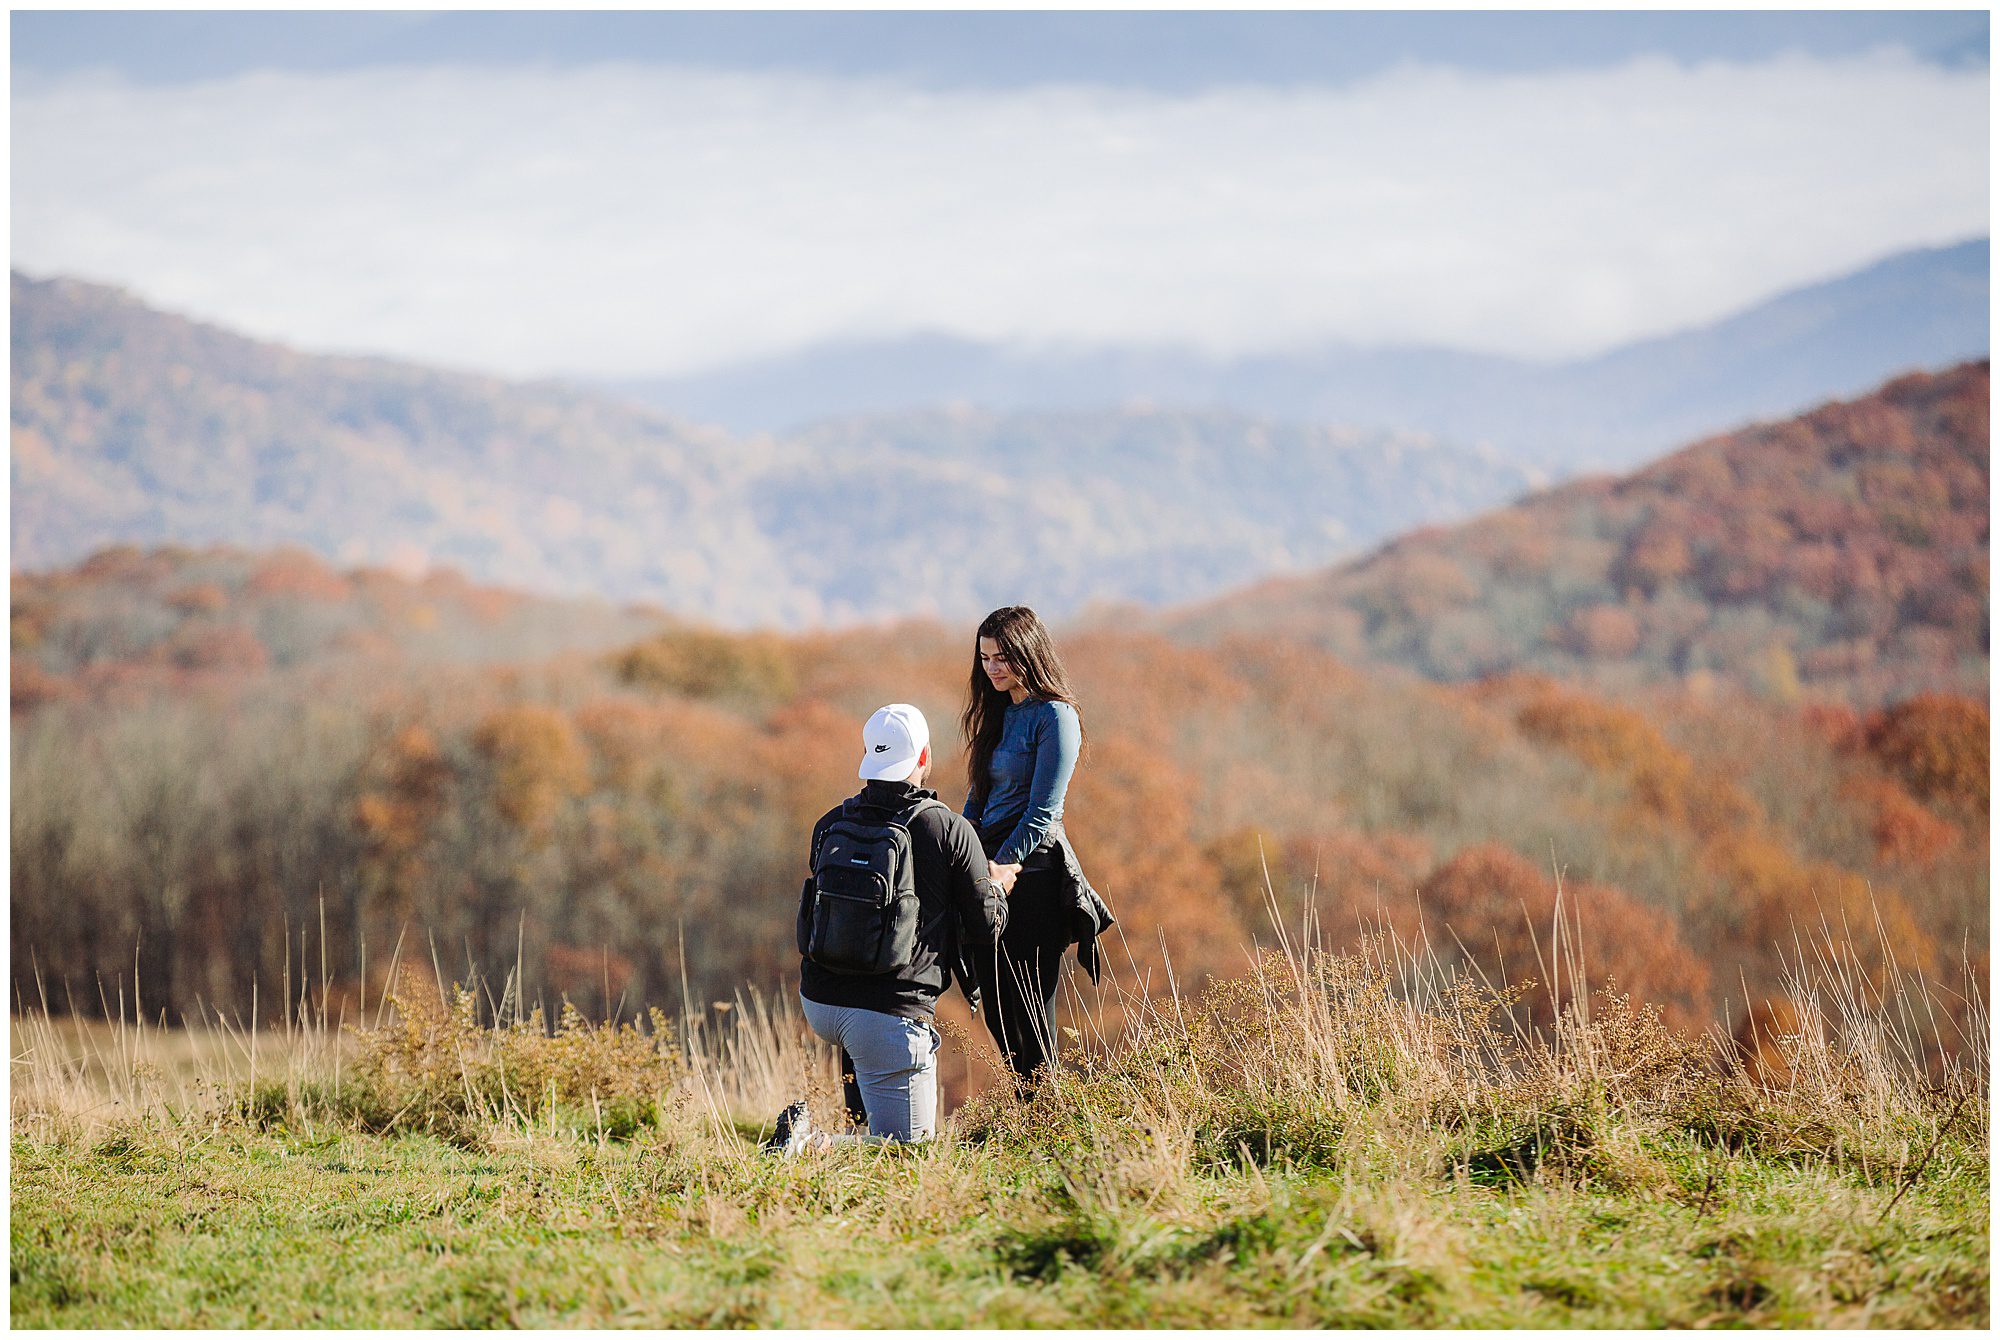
(858, 913)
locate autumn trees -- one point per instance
(1841, 554)
(627, 825)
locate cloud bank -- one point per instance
(634, 220)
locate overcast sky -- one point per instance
(515, 199)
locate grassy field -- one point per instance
(1335, 1142)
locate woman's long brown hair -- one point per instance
(1029, 649)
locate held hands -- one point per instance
(1003, 875)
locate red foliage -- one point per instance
(575, 972)
(1839, 532)
(1938, 744)
(1836, 723)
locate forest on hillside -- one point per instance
(1840, 554)
(628, 823)
(130, 425)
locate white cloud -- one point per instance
(632, 220)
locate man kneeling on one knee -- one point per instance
(899, 891)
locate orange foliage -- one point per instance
(1905, 832)
(1502, 911)
(1426, 584)
(536, 760)
(1836, 723)
(406, 792)
(1768, 904)
(1608, 632)
(1656, 556)
(1827, 535)
(626, 737)
(295, 574)
(414, 780)
(701, 663)
(1619, 741)
(201, 598)
(488, 605)
(1357, 883)
(1129, 812)
(124, 563)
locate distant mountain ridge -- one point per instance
(133, 426)
(1843, 553)
(1917, 310)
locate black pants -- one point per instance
(1018, 983)
(850, 1091)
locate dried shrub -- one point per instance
(433, 1066)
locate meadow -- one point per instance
(1364, 1137)
(1522, 1001)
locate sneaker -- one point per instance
(794, 1128)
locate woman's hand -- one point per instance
(1003, 875)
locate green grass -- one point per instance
(1335, 1141)
(252, 1229)
(244, 1228)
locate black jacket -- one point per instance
(1089, 915)
(1072, 913)
(958, 906)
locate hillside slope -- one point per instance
(1842, 552)
(132, 426)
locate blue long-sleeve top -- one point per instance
(1030, 772)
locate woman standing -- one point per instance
(1023, 736)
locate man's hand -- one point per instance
(1003, 875)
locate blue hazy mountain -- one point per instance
(1919, 309)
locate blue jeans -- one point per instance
(895, 1064)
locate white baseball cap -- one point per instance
(892, 742)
